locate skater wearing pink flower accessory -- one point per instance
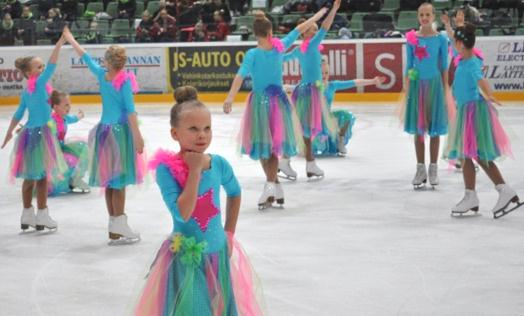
(426, 73)
(36, 155)
(200, 269)
(269, 128)
(116, 144)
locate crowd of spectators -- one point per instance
(30, 21)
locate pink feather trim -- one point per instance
(173, 161)
(31, 85)
(121, 78)
(277, 44)
(477, 52)
(60, 126)
(305, 45)
(411, 37)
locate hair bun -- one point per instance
(185, 93)
(260, 15)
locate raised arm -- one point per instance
(188, 198)
(328, 21)
(56, 51)
(305, 25)
(71, 40)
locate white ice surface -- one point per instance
(360, 242)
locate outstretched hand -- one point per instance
(228, 104)
(80, 114)
(379, 80)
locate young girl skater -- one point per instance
(333, 145)
(426, 73)
(75, 152)
(115, 144)
(268, 129)
(199, 269)
(308, 98)
(477, 134)
(345, 119)
(36, 156)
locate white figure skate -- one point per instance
(279, 194)
(421, 177)
(43, 220)
(120, 232)
(268, 196)
(470, 202)
(285, 170)
(341, 146)
(313, 171)
(79, 186)
(28, 218)
(433, 175)
(506, 196)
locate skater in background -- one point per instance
(200, 269)
(477, 134)
(74, 151)
(269, 128)
(308, 99)
(115, 144)
(36, 155)
(334, 145)
(345, 119)
(426, 74)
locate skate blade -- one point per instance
(42, 228)
(286, 177)
(80, 191)
(267, 204)
(504, 211)
(469, 213)
(118, 240)
(311, 177)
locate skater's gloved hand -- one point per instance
(227, 105)
(80, 114)
(195, 161)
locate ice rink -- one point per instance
(359, 242)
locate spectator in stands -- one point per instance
(8, 31)
(200, 35)
(147, 29)
(221, 27)
(69, 9)
(55, 25)
(411, 5)
(13, 7)
(237, 6)
(44, 6)
(126, 9)
(171, 7)
(167, 25)
(302, 6)
(27, 27)
(93, 35)
(208, 10)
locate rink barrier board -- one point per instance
(218, 98)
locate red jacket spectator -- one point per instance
(167, 26)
